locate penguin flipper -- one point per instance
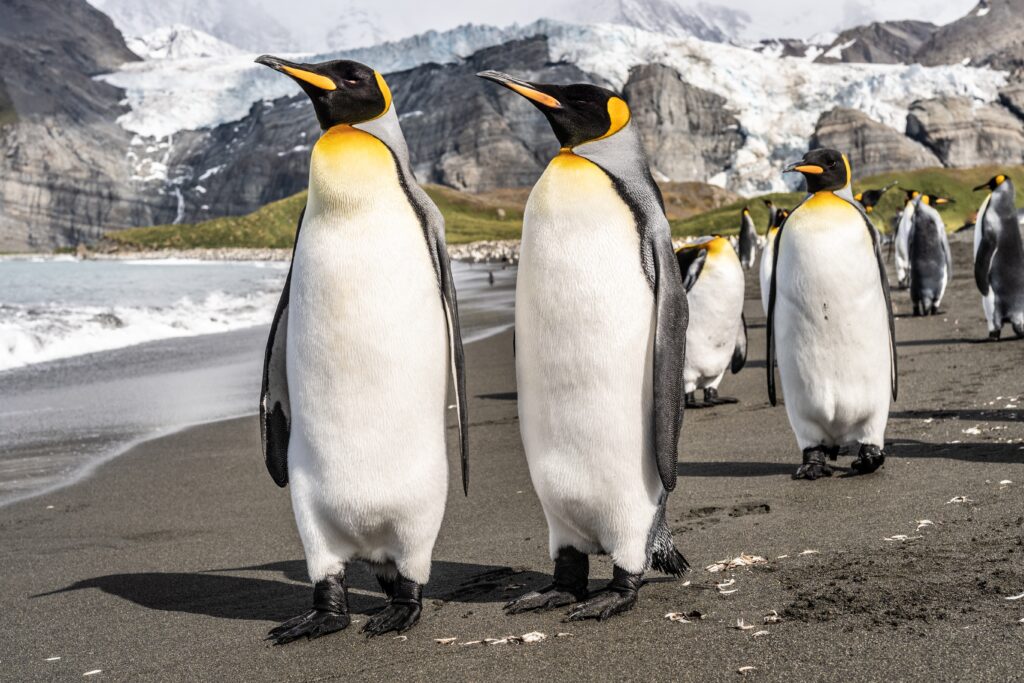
(985, 244)
(876, 244)
(275, 408)
(691, 263)
(739, 354)
(672, 317)
(456, 352)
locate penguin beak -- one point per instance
(300, 72)
(943, 200)
(528, 90)
(983, 186)
(801, 167)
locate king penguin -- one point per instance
(772, 213)
(869, 198)
(999, 258)
(931, 265)
(900, 241)
(747, 239)
(716, 337)
(601, 321)
(829, 315)
(767, 256)
(353, 406)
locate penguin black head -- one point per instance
(343, 92)
(935, 200)
(577, 113)
(780, 218)
(912, 194)
(825, 170)
(993, 183)
(769, 203)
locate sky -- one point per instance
(770, 18)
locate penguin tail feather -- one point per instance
(664, 556)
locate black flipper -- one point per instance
(669, 355)
(739, 354)
(983, 256)
(275, 410)
(877, 246)
(458, 357)
(770, 324)
(691, 263)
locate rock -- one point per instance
(688, 132)
(989, 35)
(1011, 95)
(883, 42)
(962, 132)
(871, 146)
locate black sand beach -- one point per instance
(172, 561)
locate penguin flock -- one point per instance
(615, 331)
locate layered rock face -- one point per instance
(883, 42)
(689, 133)
(992, 34)
(64, 176)
(962, 132)
(871, 146)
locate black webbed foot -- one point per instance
(329, 614)
(405, 603)
(712, 398)
(994, 335)
(690, 401)
(617, 597)
(815, 464)
(570, 585)
(868, 460)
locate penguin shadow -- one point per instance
(501, 396)
(971, 452)
(215, 593)
(968, 414)
(731, 468)
(941, 342)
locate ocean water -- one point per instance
(96, 357)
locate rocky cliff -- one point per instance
(883, 42)
(962, 132)
(991, 34)
(871, 146)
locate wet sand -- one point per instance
(172, 561)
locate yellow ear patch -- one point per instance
(384, 90)
(313, 79)
(925, 199)
(1000, 179)
(618, 113)
(849, 172)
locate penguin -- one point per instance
(601, 320)
(747, 239)
(772, 212)
(931, 265)
(900, 241)
(352, 407)
(869, 199)
(829, 317)
(767, 256)
(999, 258)
(716, 337)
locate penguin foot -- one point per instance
(994, 335)
(868, 460)
(572, 569)
(815, 465)
(405, 603)
(712, 398)
(617, 597)
(690, 401)
(329, 613)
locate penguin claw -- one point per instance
(544, 599)
(868, 460)
(397, 617)
(815, 466)
(603, 605)
(312, 624)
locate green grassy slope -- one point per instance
(947, 182)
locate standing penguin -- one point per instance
(772, 213)
(901, 239)
(999, 258)
(716, 337)
(600, 337)
(829, 315)
(747, 239)
(869, 198)
(768, 256)
(931, 265)
(352, 410)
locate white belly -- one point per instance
(716, 304)
(584, 363)
(367, 374)
(831, 328)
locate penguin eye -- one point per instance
(350, 81)
(832, 164)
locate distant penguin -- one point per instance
(716, 338)
(830, 322)
(999, 258)
(772, 214)
(601, 323)
(869, 198)
(900, 241)
(352, 409)
(931, 265)
(747, 239)
(768, 255)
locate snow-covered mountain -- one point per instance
(360, 27)
(704, 20)
(179, 42)
(778, 100)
